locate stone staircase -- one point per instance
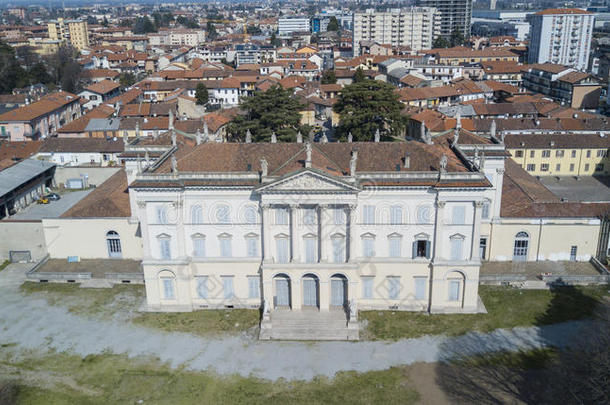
(308, 325)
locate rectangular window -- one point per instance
(202, 286)
(571, 167)
(573, 251)
(454, 290)
(338, 250)
(588, 153)
(368, 247)
(559, 153)
(367, 287)
(309, 216)
(459, 215)
(546, 153)
(368, 214)
(252, 246)
(227, 287)
(254, 287)
(599, 167)
(168, 288)
(166, 253)
(557, 167)
(420, 288)
(310, 250)
(395, 215)
(161, 215)
(281, 245)
(601, 153)
(281, 216)
(483, 248)
(339, 216)
(586, 167)
(544, 167)
(395, 244)
(456, 248)
(532, 153)
(225, 247)
(393, 288)
(573, 154)
(519, 153)
(531, 167)
(199, 247)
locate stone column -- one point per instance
(476, 230)
(350, 242)
(322, 229)
(295, 249)
(325, 293)
(438, 230)
(179, 223)
(266, 228)
(296, 290)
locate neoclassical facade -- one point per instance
(323, 227)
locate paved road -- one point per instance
(32, 324)
(54, 209)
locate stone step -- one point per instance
(308, 325)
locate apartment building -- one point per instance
(455, 15)
(561, 154)
(561, 36)
(288, 25)
(564, 84)
(187, 37)
(73, 32)
(415, 27)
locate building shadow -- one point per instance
(567, 363)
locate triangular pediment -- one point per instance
(308, 181)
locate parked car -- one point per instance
(42, 200)
(52, 197)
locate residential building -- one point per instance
(40, 119)
(561, 36)
(415, 27)
(99, 92)
(566, 154)
(73, 32)
(288, 25)
(23, 183)
(564, 84)
(81, 151)
(455, 15)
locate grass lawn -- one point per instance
(113, 379)
(507, 308)
(123, 300)
(4, 265)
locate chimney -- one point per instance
(350, 138)
(352, 162)
(206, 132)
(299, 137)
(273, 137)
(264, 167)
(324, 139)
(198, 137)
(248, 136)
(174, 139)
(171, 119)
(377, 135)
(407, 160)
(308, 155)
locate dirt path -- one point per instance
(31, 323)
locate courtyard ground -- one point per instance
(71, 345)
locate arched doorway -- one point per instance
(113, 243)
(521, 247)
(282, 297)
(338, 291)
(311, 291)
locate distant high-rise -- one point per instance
(74, 32)
(455, 15)
(561, 36)
(414, 27)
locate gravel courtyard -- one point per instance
(30, 323)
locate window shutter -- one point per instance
(414, 250)
(428, 249)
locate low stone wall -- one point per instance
(499, 279)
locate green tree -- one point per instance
(105, 22)
(143, 25)
(359, 76)
(64, 69)
(457, 37)
(211, 32)
(275, 110)
(11, 73)
(38, 74)
(328, 77)
(333, 24)
(367, 106)
(274, 40)
(440, 42)
(201, 94)
(127, 79)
